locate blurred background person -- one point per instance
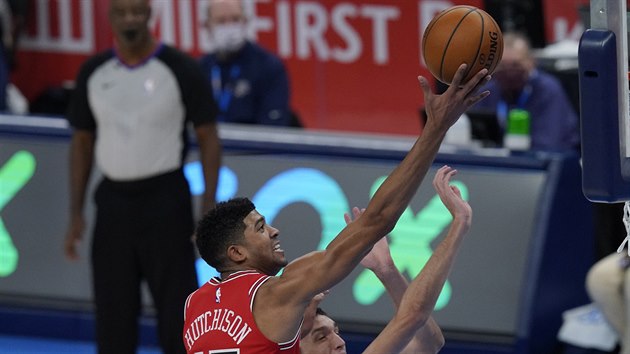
(249, 83)
(518, 84)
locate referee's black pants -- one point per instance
(142, 232)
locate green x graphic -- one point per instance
(13, 176)
(410, 245)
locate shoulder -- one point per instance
(263, 55)
(185, 68)
(171, 53)
(543, 79)
(95, 61)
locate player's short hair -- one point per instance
(221, 227)
(320, 312)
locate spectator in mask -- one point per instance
(518, 84)
(249, 83)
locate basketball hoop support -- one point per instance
(604, 101)
(609, 14)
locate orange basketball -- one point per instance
(461, 34)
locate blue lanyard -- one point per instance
(502, 106)
(223, 93)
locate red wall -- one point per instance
(352, 63)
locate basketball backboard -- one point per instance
(604, 102)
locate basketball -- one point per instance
(461, 34)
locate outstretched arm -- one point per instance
(420, 297)
(288, 295)
(344, 253)
(428, 338)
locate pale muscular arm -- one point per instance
(420, 297)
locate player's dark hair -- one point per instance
(221, 227)
(320, 311)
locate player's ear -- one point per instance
(237, 253)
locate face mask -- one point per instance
(229, 37)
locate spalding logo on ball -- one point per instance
(461, 34)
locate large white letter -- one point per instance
(65, 43)
(185, 26)
(256, 23)
(283, 19)
(354, 45)
(426, 11)
(163, 16)
(561, 30)
(307, 33)
(380, 15)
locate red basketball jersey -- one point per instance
(218, 318)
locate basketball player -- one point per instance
(251, 309)
(412, 330)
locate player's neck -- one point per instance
(225, 273)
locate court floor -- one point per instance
(38, 345)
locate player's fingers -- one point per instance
(347, 218)
(357, 212)
(470, 101)
(475, 81)
(426, 88)
(482, 83)
(71, 252)
(439, 180)
(450, 173)
(456, 191)
(459, 76)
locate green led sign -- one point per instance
(13, 176)
(410, 245)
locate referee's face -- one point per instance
(130, 21)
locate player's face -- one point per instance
(263, 245)
(323, 338)
(129, 20)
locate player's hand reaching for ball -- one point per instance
(444, 110)
(451, 196)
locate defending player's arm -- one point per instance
(428, 338)
(420, 297)
(310, 312)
